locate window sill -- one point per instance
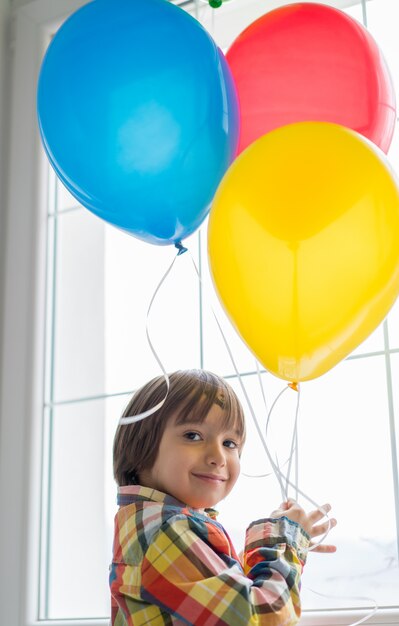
(384, 617)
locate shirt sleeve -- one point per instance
(186, 577)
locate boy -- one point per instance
(173, 563)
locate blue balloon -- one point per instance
(138, 114)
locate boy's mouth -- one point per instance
(212, 478)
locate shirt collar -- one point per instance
(131, 494)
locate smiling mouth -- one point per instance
(210, 478)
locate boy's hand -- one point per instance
(308, 521)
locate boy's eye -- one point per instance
(192, 436)
(229, 443)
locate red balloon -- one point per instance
(311, 62)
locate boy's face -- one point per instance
(197, 464)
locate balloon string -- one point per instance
(131, 419)
(294, 449)
(269, 414)
(296, 464)
(275, 465)
(294, 444)
(272, 407)
(140, 416)
(262, 389)
(278, 473)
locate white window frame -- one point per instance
(23, 340)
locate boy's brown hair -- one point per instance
(191, 394)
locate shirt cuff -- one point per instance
(281, 530)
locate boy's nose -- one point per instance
(215, 455)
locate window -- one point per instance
(98, 283)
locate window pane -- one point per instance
(345, 452)
(81, 509)
(79, 306)
(354, 11)
(105, 280)
(393, 325)
(344, 459)
(133, 270)
(382, 22)
(65, 200)
(395, 426)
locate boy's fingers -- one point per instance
(277, 513)
(284, 506)
(287, 504)
(325, 549)
(323, 528)
(317, 515)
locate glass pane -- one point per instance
(395, 425)
(345, 436)
(79, 307)
(133, 271)
(65, 200)
(82, 505)
(343, 459)
(393, 325)
(82, 519)
(382, 22)
(393, 154)
(354, 11)
(105, 281)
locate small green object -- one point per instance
(215, 4)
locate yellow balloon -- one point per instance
(303, 244)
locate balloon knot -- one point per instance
(215, 4)
(294, 386)
(180, 247)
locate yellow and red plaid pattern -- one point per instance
(173, 565)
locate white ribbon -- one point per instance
(131, 419)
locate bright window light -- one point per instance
(100, 282)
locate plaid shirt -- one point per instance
(173, 565)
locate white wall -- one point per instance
(4, 113)
(18, 174)
(23, 256)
